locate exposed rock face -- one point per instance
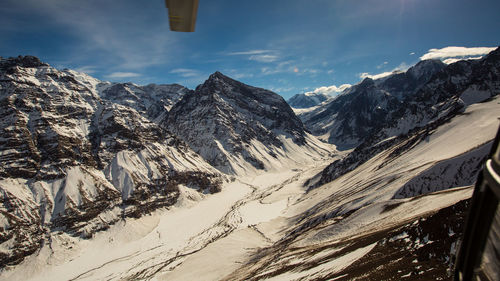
(307, 100)
(79, 154)
(229, 123)
(151, 101)
(369, 106)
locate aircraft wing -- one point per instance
(182, 14)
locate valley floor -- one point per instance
(199, 236)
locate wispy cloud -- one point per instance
(281, 67)
(185, 72)
(250, 52)
(291, 66)
(455, 52)
(115, 36)
(236, 74)
(311, 71)
(282, 89)
(122, 75)
(264, 58)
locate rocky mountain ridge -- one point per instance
(80, 154)
(366, 107)
(237, 127)
(74, 160)
(447, 94)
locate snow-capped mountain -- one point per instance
(396, 104)
(307, 100)
(151, 101)
(447, 94)
(80, 157)
(367, 106)
(75, 161)
(239, 128)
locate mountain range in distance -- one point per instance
(163, 177)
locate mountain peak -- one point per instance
(494, 55)
(217, 75)
(214, 79)
(227, 122)
(307, 100)
(426, 67)
(22, 61)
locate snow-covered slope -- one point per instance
(270, 227)
(240, 129)
(353, 228)
(75, 162)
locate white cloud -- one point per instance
(121, 75)
(281, 67)
(311, 71)
(236, 74)
(258, 55)
(282, 89)
(377, 76)
(330, 90)
(412, 53)
(454, 52)
(400, 68)
(185, 72)
(251, 52)
(264, 58)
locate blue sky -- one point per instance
(288, 46)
